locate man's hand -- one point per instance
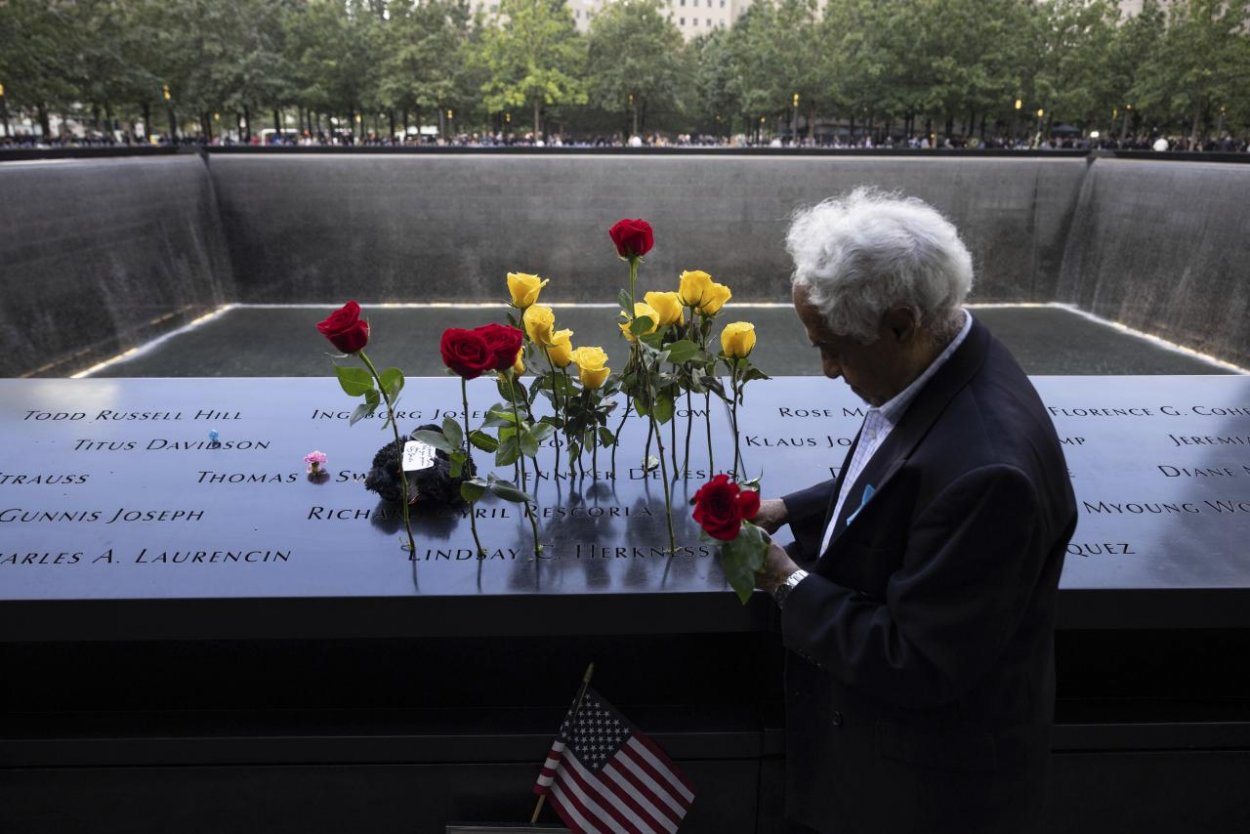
(772, 514)
(777, 566)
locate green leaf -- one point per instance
(483, 441)
(663, 409)
(355, 381)
(392, 382)
(453, 432)
(682, 351)
(529, 443)
(509, 492)
(499, 415)
(456, 467)
(742, 558)
(641, 325)
(435, 439)
(606, 437)
(627, 303)
(640, 407)
(543, 430)
(514, 393)
(362, 411)
(472, 490)
(509, 451)
(754, 373)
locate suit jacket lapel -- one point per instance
(915, 424)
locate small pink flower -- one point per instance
(315, 461)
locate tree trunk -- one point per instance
(277, 124)
(811, 122)
(45, 124)
(982, 131)
(247, 124)
(147, 119)
(1194, 135)
(537, 108)
(635, 114)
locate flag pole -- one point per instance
(577, 704)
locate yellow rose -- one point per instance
(714, 298)
(524, 288)
(560, 348)
(641, 310)
(518, 367)
(693, 285)
(737, 340)
(592, 366)
(667, 305)
(539, 322)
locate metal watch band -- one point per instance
(784, 589)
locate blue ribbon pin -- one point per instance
(867, 494)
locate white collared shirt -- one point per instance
(880, 421)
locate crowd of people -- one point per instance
(836, 141)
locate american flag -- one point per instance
(603, 775)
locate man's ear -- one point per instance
(900, 322)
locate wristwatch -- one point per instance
(783, 590)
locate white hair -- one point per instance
(862, 254)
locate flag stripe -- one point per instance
(586, 799)
(567, 808)
(550, 766)
(628, 771)
(619, 785)
(593, 787)
(663, 765)
(639, 769)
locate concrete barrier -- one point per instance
(321, 228)
(99, 255)
(1164, 247)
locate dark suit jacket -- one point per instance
(920, 678)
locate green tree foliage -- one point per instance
(892, 66)
(533, 57)
(425, 61)
(636, 61)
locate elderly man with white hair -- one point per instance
(917, 601)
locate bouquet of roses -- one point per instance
(724, 510)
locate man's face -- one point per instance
(871, 371)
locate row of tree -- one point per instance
(944, 66)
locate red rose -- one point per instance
(345, 329)
(633, 238)
(720, 507)
(466, 352)
(504, 342)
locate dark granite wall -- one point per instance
(1164, 247)
(100, 255)
(323, 228)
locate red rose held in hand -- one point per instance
(633, 238)
(345, 329)
(720, 507)
(504, 343)
(466, 352)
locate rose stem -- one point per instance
(403, 478)
(468, 462)
(555, 404)
(516, 414)
(668, 501)
(689, 424)
(707, 419)
(733, 413)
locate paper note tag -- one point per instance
(418, 456)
